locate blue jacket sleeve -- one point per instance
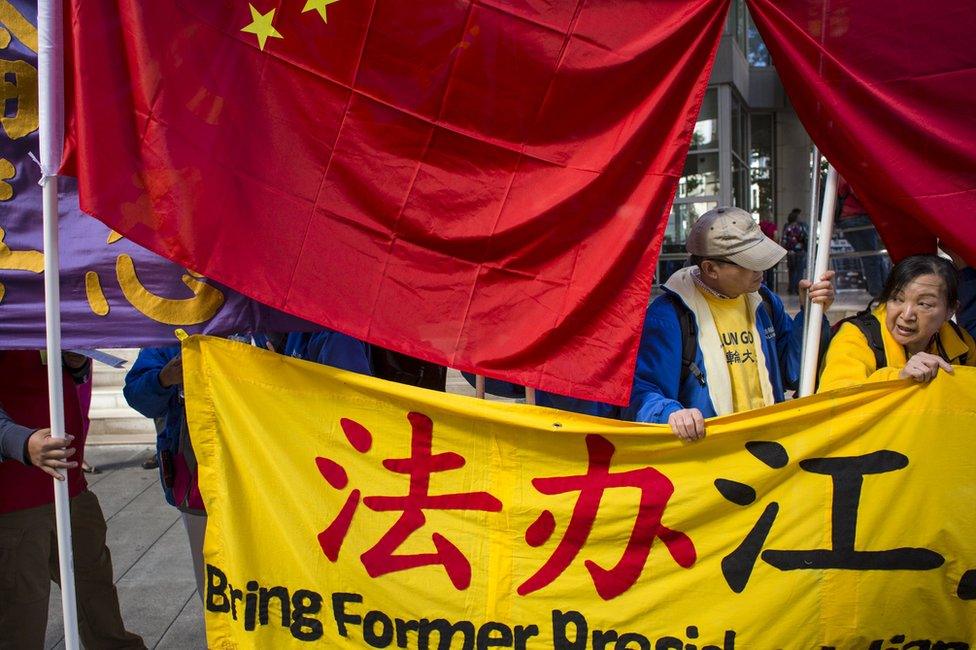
(967, 300)
(339, 351)
(657, 377)
(142, 389)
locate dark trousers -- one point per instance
(876, 267)
(29, 562)
(796, 265)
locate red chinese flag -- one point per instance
(887, 90)
(480, 184)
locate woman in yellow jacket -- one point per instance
(916, 303)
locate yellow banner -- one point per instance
(351, 512)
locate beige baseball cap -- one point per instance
(732, 234)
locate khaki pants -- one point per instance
(28, 563)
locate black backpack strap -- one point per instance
(689, 340)
(871, 329)
(942, 353)
(767, 302)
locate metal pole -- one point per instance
(51, 120)
(814, 312)
(811, 235)
(814, 203)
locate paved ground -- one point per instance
(153, 573)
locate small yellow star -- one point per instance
(261, 26)
(319, 6)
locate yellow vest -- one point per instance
(736, 331)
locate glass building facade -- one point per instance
(750, 150)
(734, 153)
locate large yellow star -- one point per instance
(319, 6)
(261, 26)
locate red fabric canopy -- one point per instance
(887, 91)
(481, 184)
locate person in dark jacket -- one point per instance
(154, 387)
(35, 447)
(966, 314)
(29, 457)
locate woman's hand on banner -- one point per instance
(923, 367)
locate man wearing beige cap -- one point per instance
(745, 349)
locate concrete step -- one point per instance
(103, 375)
(121, 431)
(113, 421)
(121, 413)
(105, 397)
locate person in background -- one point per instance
(856, 226)
(795, 241)
(966, 314)
(154, 387)
(909, 335)
(744, 350)
(29, 458)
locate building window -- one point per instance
(737, 23)
(705, 135)
(701, 174)
(683, 217)
(761, 133)
(738, 142)
(700, 179)
(756, 53)
(698, 187)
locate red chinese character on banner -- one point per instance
(419, 466)
(655, 490)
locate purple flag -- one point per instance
(113, 292)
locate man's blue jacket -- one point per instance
(658, 390)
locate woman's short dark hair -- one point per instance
(914, 266)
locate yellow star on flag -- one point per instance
(319, 6)
(261, 26)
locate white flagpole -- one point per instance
(51, 103)
(814, 202)
(811, 239)
(814, 312)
